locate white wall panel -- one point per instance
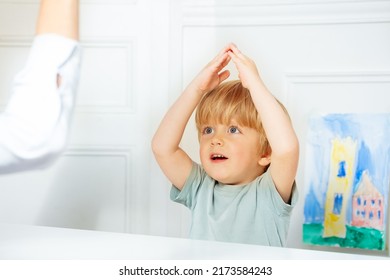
(86, 189)
(107, 83)
(18, 18)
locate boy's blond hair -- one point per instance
(227, 101)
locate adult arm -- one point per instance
(35, 124)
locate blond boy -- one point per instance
(244, 189)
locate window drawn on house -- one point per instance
(341, 173)
(337, 203)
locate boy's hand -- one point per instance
(211, 75)
(247, 70)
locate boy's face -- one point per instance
(230, 153)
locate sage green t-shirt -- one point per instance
(254, 213)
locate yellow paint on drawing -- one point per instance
(342, 165)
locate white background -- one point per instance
(319, 56)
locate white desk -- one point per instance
(47, 243)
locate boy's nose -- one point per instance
(217, 141)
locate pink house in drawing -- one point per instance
(367, 205)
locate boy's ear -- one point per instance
(265, 160)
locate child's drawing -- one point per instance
(347, 181)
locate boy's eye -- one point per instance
(207, 130)
(234, 129)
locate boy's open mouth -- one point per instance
(217, 157)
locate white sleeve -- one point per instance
(35, 124)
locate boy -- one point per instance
(243, 191)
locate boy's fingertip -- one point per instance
(232, 55)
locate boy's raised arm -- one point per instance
(173, 161)
(276, 123)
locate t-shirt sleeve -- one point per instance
(187, 196)
(269, 192)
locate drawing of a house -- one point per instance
(343, 153)
(367, 205)
(347, 181)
